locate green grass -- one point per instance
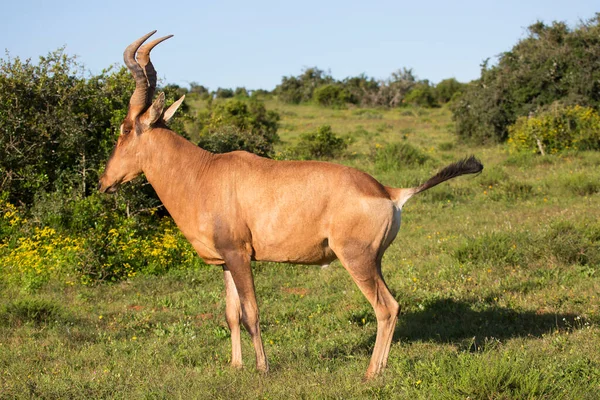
(498, 278)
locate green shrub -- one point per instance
(241, 93)
(553, 63)
(31, 310)
(230, 138)
(224, 93)
(331, 95)
(297, 89)
(560, 128)
(320, 144)
(447, 90)
(118, 251)
(397, 156)
(239, 125)
(421, 95)
(56, 126)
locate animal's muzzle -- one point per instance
(107, 189)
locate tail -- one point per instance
(469, 165)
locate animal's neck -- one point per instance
(172, 165)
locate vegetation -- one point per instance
(558, 129)
(554, 63)
(237, 125)
(401, 88)
(496, 275)
(319, 144)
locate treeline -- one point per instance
(401, 88)
(317, 86)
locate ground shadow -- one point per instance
(452, 321)
(460, 323)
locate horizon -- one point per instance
(255, 45)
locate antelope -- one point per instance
(237, 207)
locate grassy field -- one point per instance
(498, 278)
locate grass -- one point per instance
(497, 277)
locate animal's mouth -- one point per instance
(108, 189)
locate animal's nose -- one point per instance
(99, 186)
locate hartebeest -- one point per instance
(238, 207)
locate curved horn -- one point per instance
(143, 59)
(139, 99)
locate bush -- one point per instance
(421, 95)
(560, 128)
(320, 144)
(117, 251)
(108, 247)
(239, 125)
(297, 89)
(331, 96)
(554, 63)
(230, 138)
(58, 127)
(397, 156)
(241, 93)
(448, 89)
(224, 93)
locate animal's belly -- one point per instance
(316, 252)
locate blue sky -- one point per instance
(255, 43)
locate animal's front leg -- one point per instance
(233, 314)
(239, 266)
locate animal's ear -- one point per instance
(172, 109)
(154, 112)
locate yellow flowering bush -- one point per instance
(31, 260)
(560, 128)
(115, 249)
(125, 250)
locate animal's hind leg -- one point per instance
(233, 314)
(366, 272)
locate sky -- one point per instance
(255, 43)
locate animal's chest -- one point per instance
(207, 252)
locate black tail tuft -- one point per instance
(469, 165)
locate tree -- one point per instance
(57, 126)
(239, 125)
(553, 63)
(447, 89)
(301, 88)
(331, 95)
(422, 95)
(224, 93)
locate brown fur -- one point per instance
(237, 207)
